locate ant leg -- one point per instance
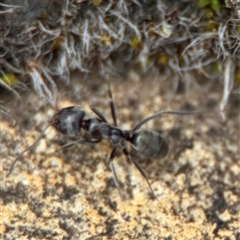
(112, 106)
(27, 149)
(84, 142)
(125, 151)
(158, 114)
(115, 178)
(113, 110)
(110, 161)
(99, 114)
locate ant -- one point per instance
(71, 120)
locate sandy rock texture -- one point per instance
(70, 193)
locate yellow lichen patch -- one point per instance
(106, 40)
(211, 26)
(8, 79)
(96, 3)
(135, 42)
(163, 59)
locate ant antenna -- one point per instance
(27, 149)
(158, 114)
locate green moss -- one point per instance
(215, 5)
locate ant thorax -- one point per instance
(116, 138)
(97, 129)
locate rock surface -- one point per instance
(70, 193)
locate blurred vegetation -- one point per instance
(42, 41)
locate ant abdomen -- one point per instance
(149, 143)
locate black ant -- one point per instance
(71, 120)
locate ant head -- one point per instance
(68, 121)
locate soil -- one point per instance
(70, 193)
